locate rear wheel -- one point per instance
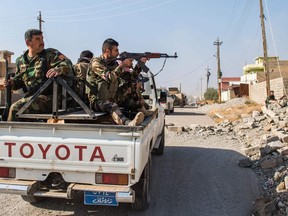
(160, 149)
(31, 198)
(168, 111)
(142, 190)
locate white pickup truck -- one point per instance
(107, 163)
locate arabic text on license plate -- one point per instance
(100, 198)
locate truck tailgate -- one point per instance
(67, 147)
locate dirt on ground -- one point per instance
(235, 112)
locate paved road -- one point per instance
(196, 176)
(188, 115)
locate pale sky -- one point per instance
(188, 27)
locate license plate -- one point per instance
(100, 198)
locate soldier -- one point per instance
(132, 99)
(33, 68)
(138, 91)
(104, 77)
(81, 68)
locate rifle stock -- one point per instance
(7, 95)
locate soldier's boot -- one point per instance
(137, 120)
(145, 111)
(55, 121)
(116, 117)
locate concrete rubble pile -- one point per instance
(264, 141)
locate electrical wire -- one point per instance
(83, 8)
(110, 16)
(189, 73)
(45, 36)
(232, 15)
(93, 12)
(273, 41)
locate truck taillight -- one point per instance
(111, 178)
(6, 172)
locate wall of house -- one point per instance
(225, 95)
(258, 91)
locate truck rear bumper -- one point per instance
(123, 194)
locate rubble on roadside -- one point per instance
(264, 139)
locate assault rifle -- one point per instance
(148, 55)
(138, 56)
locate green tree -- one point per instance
(211, 94)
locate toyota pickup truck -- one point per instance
(85, 154)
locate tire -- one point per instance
(160, 149)
(31, 198)
(168, 111)
(142, 190)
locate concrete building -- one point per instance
(254, 76)
(230, 88)
(277, 68)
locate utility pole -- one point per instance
(208, 76)
(265, 62)
(219, 73)
(201, 88)
(40, 21)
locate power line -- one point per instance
(111, 16)
(273, 40)
(83, 8)
(190, 72)
(94, 12)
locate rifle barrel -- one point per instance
(138, 56)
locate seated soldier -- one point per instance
(104, 78)
(33, 68)
(81, 68)
(129, 92)
(270, 99)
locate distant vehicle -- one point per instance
(179, 98)
(166, 100)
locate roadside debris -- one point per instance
(263, 134)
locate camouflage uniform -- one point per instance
(81, 69)
(104, 96)
(129, 101)
(134, 100)
(31, 75)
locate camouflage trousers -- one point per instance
(113, 109)
(131, 104)
(41, 105)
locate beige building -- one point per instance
(277, 68)
(254, 76)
